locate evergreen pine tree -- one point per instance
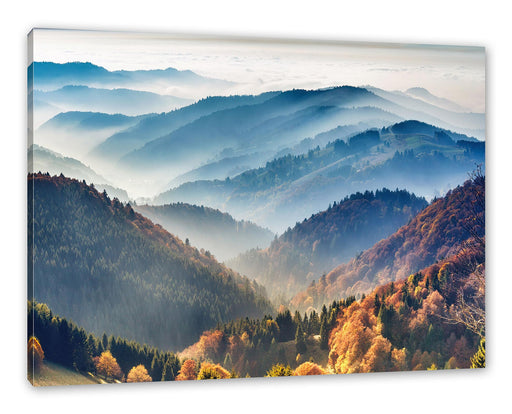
(314, 322)
(157, 367)
(286, 326)
(376, 307)
(324, 334)
(168, 373)
(306, 325)
(300, 340)
(104, 342)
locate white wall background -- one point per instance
(436, 21)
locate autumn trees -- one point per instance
(138, 374)
(438, 231)
(188, 371)
(212, 371)
(107, 366)
(469, 308)
(279, 370)
(403, 326)
(253, 347)
(306, 368)
(309, 368)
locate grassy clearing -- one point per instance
(53, 374)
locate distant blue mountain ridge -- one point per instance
(50, 75)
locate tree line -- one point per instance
(251, 347)
(67, 344)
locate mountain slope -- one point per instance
(110, 269)
(41, 159)
(422, 158)
(156, 126)
(425, 95)
(207, 228)
(76, 133)
(434, 111)
(112, 101)
(435, 233)
(410, 324)
(330, 237)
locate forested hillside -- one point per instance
(435, 233)
(422, 158)
(433, 318)
(421, 322)
(207, 228)
(426, 321)
(100, 263)
(284, 119)
(328, 238)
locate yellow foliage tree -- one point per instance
(357, 344)
(138, 374)
(211, 371)
(279, 370)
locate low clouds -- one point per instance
(457, 74)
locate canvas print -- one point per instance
(219, 207)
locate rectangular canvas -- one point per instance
(219, 207)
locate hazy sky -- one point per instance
(452, 72)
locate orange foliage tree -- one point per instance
(35, 354)
(212, 344)
(309, 368)
(188, 371)
(138, 374)
(107, 365)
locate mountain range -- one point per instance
(422, 158)
(123, 142)
(166, 210)
(47, 76)
(217, 136)
(111, 101)
(435, 233)
(319, 243)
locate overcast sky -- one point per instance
(455, 73)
